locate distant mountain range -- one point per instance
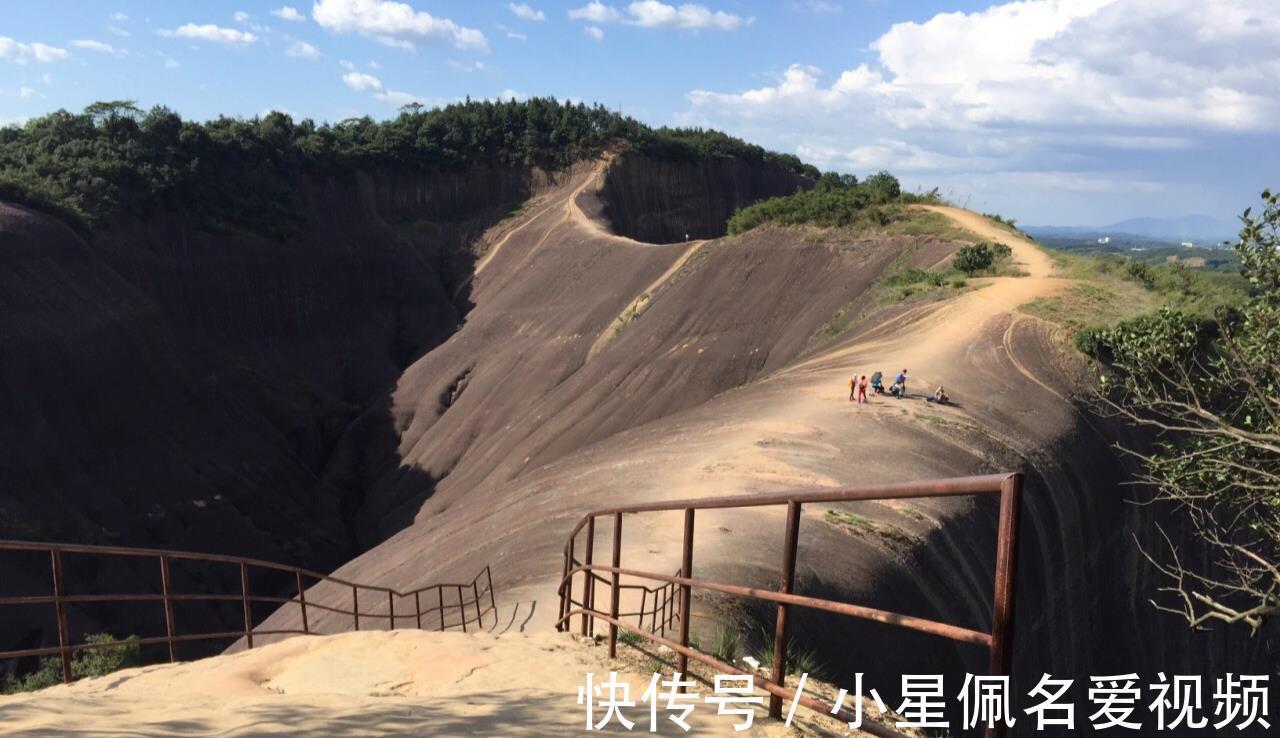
(1199, 229)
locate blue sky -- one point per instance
(1052, 111)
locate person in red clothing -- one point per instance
(862, 389)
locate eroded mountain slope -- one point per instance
(718, 385)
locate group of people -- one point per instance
(858, 386)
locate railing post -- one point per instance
(462, 609)
(493, 604)
(617, 581)
(1006, 575)
(391, 610)
(302, 601)
(475, 592)
(782, 627)
(168, 607)
(686, 571)
(589, 589)
(568, 585)
(244, 601)
(440, 596)
(61, 608)
(417, 607)
(355, 605)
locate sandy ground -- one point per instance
(361, 685)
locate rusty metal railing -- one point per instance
(998, 641)
(303, 579)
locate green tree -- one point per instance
(883, 187)
(974, 258)
(1210, 389)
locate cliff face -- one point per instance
(171, 386)
(665, 201)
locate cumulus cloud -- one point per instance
(361, 82)
(212, 33)
(394, 24)
(1140, 63)
(1043, 88)
(654, 14)
(240, 16)
(596, 12)
(89, 44)
(289, 13)
(594, 32)
(302, 50)
(24, 53)
(524, 12)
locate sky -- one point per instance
(1062, 112)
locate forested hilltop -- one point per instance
(115, 159)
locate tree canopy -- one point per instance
(1210, 389)
(837, 200)
(115, 159)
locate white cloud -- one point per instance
(393, 24)
(654, 14)
(90, 45)
(596, 12)
(212, 33)
(302, 50)
(1012, 101)
(594, 32)
(26, 92)
(240, 16)
(346, 65)
(23, 53)
(374, 65)
(510, 94)
(517, 36)
(361, 82)
(118, 31)
(1158, 63)
(524, 12)
(119, 17)
(289, 13)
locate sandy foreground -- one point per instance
(366, 684)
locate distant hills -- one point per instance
(1199, 229)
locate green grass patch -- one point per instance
(861, 526)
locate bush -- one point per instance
(836, 201)
(974, 258)
(85, 664)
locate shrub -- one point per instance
(974, 258)
(86, 664)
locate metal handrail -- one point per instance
(998, 641)
(303, 579)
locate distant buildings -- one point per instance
(1104, 239)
